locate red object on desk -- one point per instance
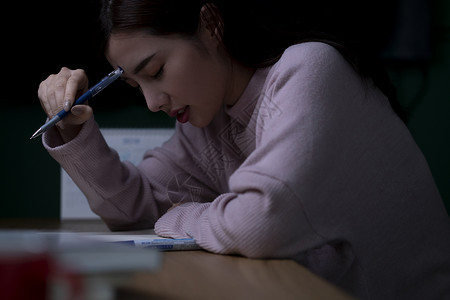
(24, 276)
(27, 276)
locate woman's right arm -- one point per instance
(123, 195)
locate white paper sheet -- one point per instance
(131, 145)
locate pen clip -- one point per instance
(110, 78)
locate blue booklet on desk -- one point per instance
(144, 241)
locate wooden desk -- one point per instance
(203, 275)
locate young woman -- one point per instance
(286, 146)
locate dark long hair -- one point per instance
(255, 32)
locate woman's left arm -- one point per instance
(246, 221)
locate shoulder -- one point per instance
(311, 53)
(312, 60)
(313, 69)
(311, 79)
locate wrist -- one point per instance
(69, 132)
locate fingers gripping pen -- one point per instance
(110, 78)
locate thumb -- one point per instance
(80, 114)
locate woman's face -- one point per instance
(188, 79)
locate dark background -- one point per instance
(411, 36)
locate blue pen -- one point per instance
(110, 78)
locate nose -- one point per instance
(156, 101)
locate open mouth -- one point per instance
(183, 114)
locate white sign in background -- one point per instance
(131, 145)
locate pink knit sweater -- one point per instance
(311, 163)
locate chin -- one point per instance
(200, 122)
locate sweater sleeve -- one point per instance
(110, 186)
(297, 129)
(125, 196)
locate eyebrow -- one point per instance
(143, 63)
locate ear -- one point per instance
(211, 20)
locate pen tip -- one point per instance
(36, 134)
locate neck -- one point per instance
(240, 76)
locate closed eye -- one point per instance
(159, 74)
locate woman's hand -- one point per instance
(59, 91)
